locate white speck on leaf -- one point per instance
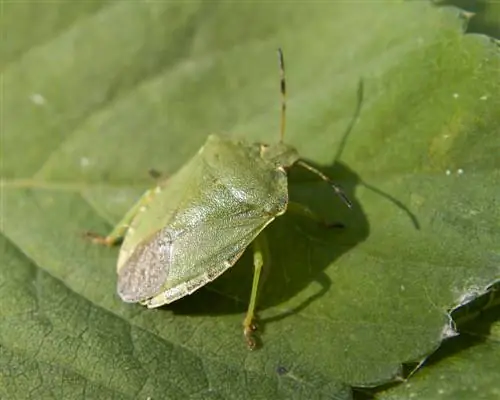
(448, 172)
(121, 197)
(455, 95)
(483, 98)
(84, 162)
(460, 171)
(38, 99)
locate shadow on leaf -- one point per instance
(301, 251)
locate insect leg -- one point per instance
(260, 255)
(305, 211)
(118, 232)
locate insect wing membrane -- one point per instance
(215, 249)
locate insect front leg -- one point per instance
(305, 211)
(120, 229)
(261, 263)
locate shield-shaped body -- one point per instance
(200, 221)
(197, 224)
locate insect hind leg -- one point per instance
(261, 261)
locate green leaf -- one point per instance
(57, 344)
(391, 96)
(465, 367)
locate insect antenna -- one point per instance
(334, 186)
(283, 93)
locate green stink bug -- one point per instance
(192, 227)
